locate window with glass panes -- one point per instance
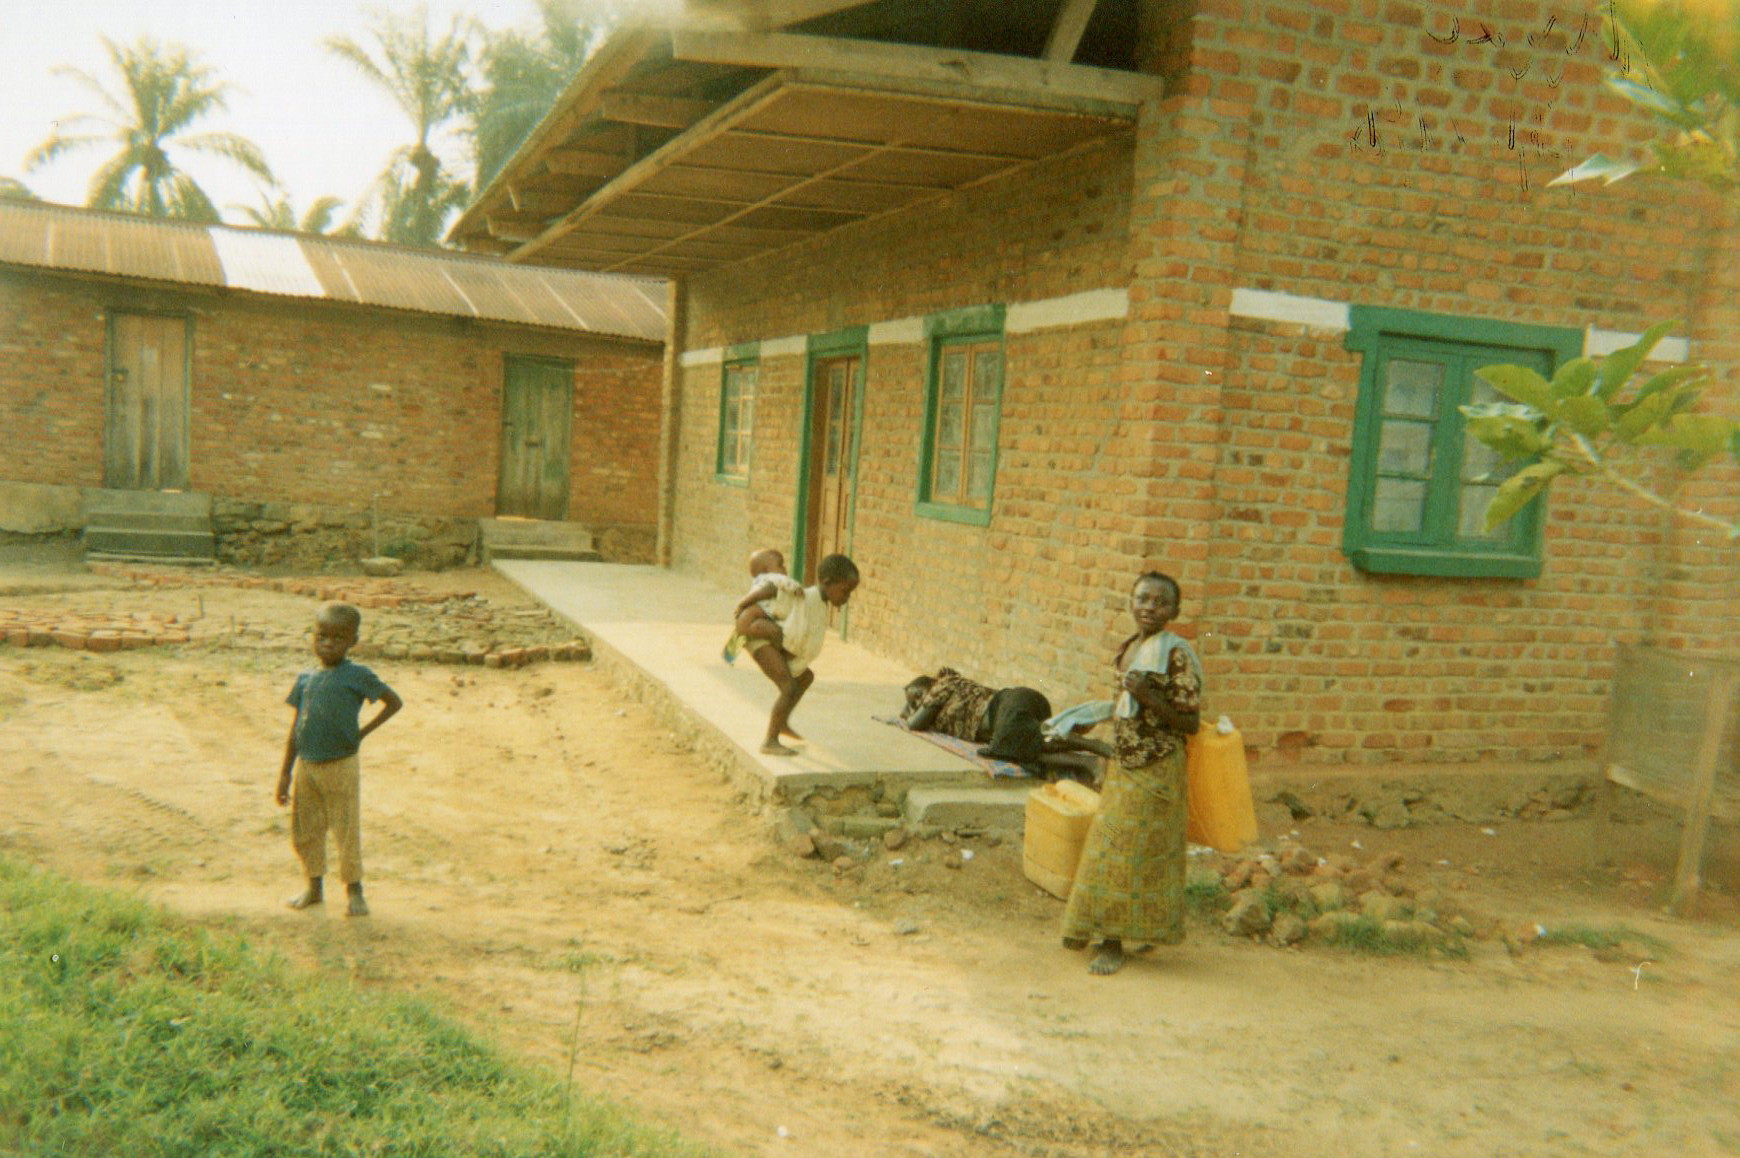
(736, 418)
(965, 396)
(1419, 489)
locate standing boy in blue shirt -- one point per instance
(325, 738)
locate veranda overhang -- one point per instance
(681, 148)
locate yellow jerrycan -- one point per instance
(1058, 816)
(1219, 795)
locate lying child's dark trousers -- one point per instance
(1013, 719)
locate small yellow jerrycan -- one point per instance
(1219, 796)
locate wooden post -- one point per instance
(1686, 876)
(670, 418)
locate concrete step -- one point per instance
(150, 542)
(1002, 806)
(167, 522)
(157, 525)
(533, 539)
(187, 503)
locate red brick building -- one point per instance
(323, 374)
(1014, 301)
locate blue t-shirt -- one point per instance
(328, 702)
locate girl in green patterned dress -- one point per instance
(1129, 885)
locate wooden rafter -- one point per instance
(1067, 32)
(660, 112)
(582, 163)
(983, 72)
(759, 15)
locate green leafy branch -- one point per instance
(1681, 65)
(1590, 420)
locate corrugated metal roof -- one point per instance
(59, 237)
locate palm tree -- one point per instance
(166, 91)
(430, 81)
(525, 74)
(280, 213)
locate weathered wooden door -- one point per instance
(834, 388)
(536, 408)
(145, 446)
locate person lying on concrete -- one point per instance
(1007, 721)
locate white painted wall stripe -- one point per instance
(1599, 343)
(1110, 304)
(1318, 313)
(785, 347)
(1099, 305)
(900, 332)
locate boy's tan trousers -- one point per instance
(328, 795)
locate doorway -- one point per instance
(834, 386)
(145, 441)
(537, 406)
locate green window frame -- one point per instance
(1418, 489)
(962, 412)
(739, 380)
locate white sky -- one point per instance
(323, 128)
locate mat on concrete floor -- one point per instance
(1082, 766)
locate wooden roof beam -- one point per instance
(579, 163)
(1066, 34)
(759, 15)
(988, 74)
(661, 112)
(515, 227)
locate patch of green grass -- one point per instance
(1368, 935)
(1206, 895)
(124, 1030)
(1608, 938)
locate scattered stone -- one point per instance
(1329, 896)
(867, 827)
(953, 860)
(1248, 916)
(382, 566)
(895, 838)
(905, 927)
(1287, 929)
(1383, 906)
(1329, 924)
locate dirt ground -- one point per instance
(555, 867)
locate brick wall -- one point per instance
(52, 338)
(1014, 592)
(293, 402)
(1398, 158)
(1354, 151)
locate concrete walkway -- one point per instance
(663, 632)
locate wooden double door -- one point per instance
(146, 426)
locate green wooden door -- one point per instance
(145, 445)
(537, 402)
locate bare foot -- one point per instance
(1075, 942)
(788, 734)
(357, 906)
(775, 748)
(305, 899)
(1108, 960)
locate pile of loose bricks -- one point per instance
(94, 631)
(106, 631)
